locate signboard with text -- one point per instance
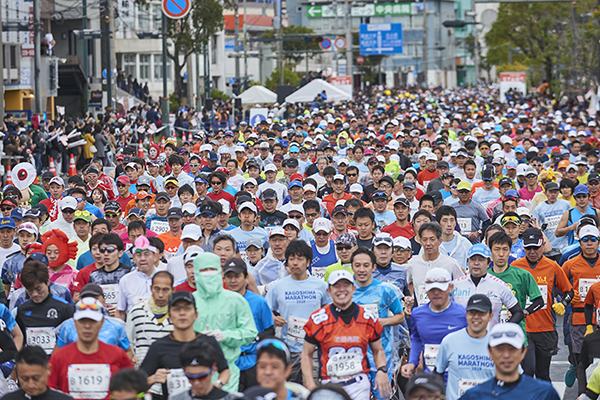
(367, 10)
(512, 81)
(379, 39)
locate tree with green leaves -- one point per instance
(294, 50)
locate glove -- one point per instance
(576, 297)
(559, 308)
(217, 334)
(588, 329)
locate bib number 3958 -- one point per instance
(89, 381)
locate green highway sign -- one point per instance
(368, 10)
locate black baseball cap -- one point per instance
(183, 295)
(594, 177)
(443, 164)
(47, 175)
(236, 265)
(162, 195)
(505, 181)
(552, 186)
(432, 382)
(211, 208)
(113, 206)
(174, 212)
(269, 194)
(479, 302)
(533, 237)
(437, 196)
(91, 290)
(339, 210)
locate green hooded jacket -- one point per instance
(222, 309)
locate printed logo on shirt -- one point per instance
(52, 314)
(319, 317)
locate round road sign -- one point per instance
(340, 43)
(176, 9)
(360, 59)
(325, 44)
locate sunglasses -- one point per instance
(187, 214)
(200, 376)
(111, 215)
(581, 196)
(531, 176)
(6, 208)
(525, 220)
(513, 198)
(84, 306)
(171, 187)
(278, 344)
(121, 185)
(216, 183)
(454, 186)
(500, 334)
(250, 186)
(351, 175)
(464, 191)
(68, 211)
(107, 249)
(589, 239)
(536, 165)
(513, 219)
(312, 215)
(343, 247)
(194, 165)
(397, 249)
(296, 216)
(206, 215)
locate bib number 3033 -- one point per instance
(44, 337)
(344, 365)
(89, 381)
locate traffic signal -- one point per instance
(313, 39)
(455, 24)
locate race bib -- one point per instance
(319, 272)
(44, 337)
(552, 222)
(504, 316)
(430, 353)
(159, 227)
(584, 286)
(295, 330)
(177, 381)
(466, 384)
(465, 225)
(89, 381)
(111, 292)
(544, 291)
(422, 297)
(344, 365)
(373, 308)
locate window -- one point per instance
(213, 50)
(144, 66)
(143, 17)
(156, 17)
(129, 65)
(158, 67)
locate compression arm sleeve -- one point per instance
(588, 311)
(536, 305)
(517, 314)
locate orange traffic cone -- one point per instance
(141, 150)
(9, 180)
(162, 145)
(190, 138)
(151, 140)
(52, 167)
(72, 167)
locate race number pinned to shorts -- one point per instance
(159, 227)
(177, 382)
(544, 291)
(89, 381)
(422, 297)
(344, 365)
(430, 352)
(111, 293)
(465, 225)
(319, 272)
(44, 337)
(584, 286)
(295, 330)
(466, 384)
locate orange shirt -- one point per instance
(478, 185)
(547, 275)
(330, 201)
(582, 277)
(172, 243)
(593, 298)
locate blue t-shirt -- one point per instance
(517, 250)
(92, 209)
(482, 196)
(7, 317)
(112, 332)
(445, 194)
(322, 261)
(385, 219)
(527, 388)
(241, 237)
(466, 358)
(430, 328)
(295, 301)
(12, 267)
(550, 214)
(263, 319)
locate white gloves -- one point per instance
(217, 334)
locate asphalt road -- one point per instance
(559, 366)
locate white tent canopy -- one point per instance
(258, 94)
(308, 92)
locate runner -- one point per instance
(549, 214)
(401, 227)
(323, 249)
(568, 222)
(454, 245)
(343, 331)
(272, 268)
(471, 216)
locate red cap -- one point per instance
(124, 179)
(296, 177)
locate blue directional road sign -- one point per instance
(380, 39)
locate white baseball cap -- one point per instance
(295, 207)
(309, 188)
(68, 202)
(270, 167)
(277, 230)
(191, 231)
(507, 333)
(291, 221)
(89, 313)
(401, 241)
(437, 278)
(58, 180)
(321, 224)
(225, 206)
(338, 275)
(250, 180)
(28, 227)
(248, 205)
(523, 211)
(589, 230)
(355, 188)
(189, 208)
(191, 253)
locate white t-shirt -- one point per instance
(495, 288)
(417, 269)
(278, 187)
(6, 252)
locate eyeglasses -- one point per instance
(343, 247)
(250, 186)
(200, 376)
(296, 216)
(208, 215)
(216, 183)
(187, 214)
(589, 239)
(111, 214)
(278, 344)
(107, 249)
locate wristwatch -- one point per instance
(219, 383)
(382, 369)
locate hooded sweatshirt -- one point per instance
(222, 309)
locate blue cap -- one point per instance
(429, 125)
(480, 250)
(17, 213)
(212, 156)
(581, 189)
(564, 151)
(7, 223)
(200, 179)
(512, 193)
(519, 149)
(294, 149)
(39, 257)
(295, 184)
(498, 128)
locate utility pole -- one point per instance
(425, 43)
(86, 94)
(37, 44)
(277, 28)
(349, 49)
(165, 98)
(236, 35)
(476, 47)
(198, 97)
(109, 102)
(245, 46)
(1, 83)
(334, 5)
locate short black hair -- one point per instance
(77, 190)
(329, 171)
(493, 227)
(137, 224)
(353, 202)
(156, 242)
(470, 162)
(34, 272)
(203, 352)
(499, 238)
(299, 248)
(311, 205)
(112, 238)
(445, 210)
(225, 236)
(431, 226)
(129, 380)
(364, 212)
(32, 355)
(101, 221)
(426, 197)
(176, 160)
(422, 212)
(351, 168)
(185, 188)
(363, 250)
(378, 168)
